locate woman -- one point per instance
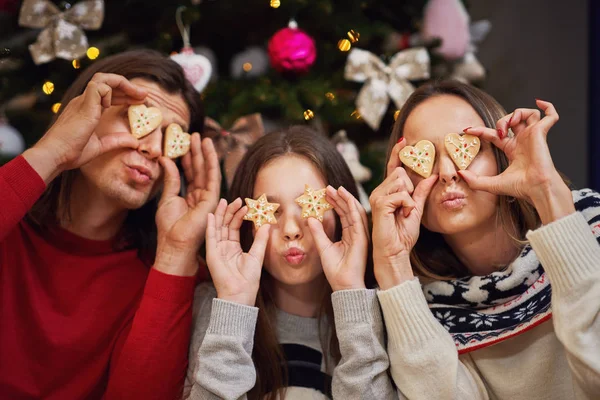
(482, 320)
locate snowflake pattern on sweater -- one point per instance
(479, 311)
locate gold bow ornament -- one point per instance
(232, 144)
(385, 81)
(62, 35)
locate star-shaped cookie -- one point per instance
(313, 203)
(260, 211)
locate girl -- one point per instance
(484, 291)
(279, 332)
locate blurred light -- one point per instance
(344, 45)
(353, 35)
(93, 53)
(48, 87)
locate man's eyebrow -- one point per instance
(149, 102)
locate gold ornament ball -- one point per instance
(396, 115)
(76, 64)
(48, 87)
(353, 35)
(247, 67)
(93, 53)
(55, 107)
(309, 114)
(275, 3)
(330, 96)
(344, 45)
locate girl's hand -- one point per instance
(344, 262)
(531, 174)
(397, 210)
(235, 274)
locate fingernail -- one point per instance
(510, 120)
(500, 133)
(400, 140)
(466, 129)
(536, 99)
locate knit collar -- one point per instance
(480, 311)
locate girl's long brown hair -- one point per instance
(140, 229)
(432, 257)
(298, 140)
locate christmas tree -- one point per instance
(292, 61)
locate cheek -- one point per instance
(484, 164)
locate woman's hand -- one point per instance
(397, 210)
(343, 262)
(531, 174)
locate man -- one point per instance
(87, 311)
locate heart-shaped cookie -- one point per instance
(177, 142)
(462, 148)
(419, 157)
(143, 120)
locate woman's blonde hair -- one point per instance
(432, 257)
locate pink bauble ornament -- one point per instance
(291, 50)
(197, 68)
(447, 20)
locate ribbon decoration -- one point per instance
(384, 81)
(62, 35)
(232, 144)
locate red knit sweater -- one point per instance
(79, 320)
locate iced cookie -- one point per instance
(313, 203)
(419, 157)
(462, 148)
(260, 211)
(177, 142)
(143, 120)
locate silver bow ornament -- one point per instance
(62, 35)
(385, 81)
(469, 69)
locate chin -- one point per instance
(452, 223)
(128, 196)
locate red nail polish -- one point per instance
(466, 129)
(399, 140)
(500, 133)
(510, 120)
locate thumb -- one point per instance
(172, 181)
(423, 189)
(318, 233)
(260, 243)
(491, 184)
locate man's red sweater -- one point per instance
(79, 320)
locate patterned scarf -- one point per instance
(480, 311)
